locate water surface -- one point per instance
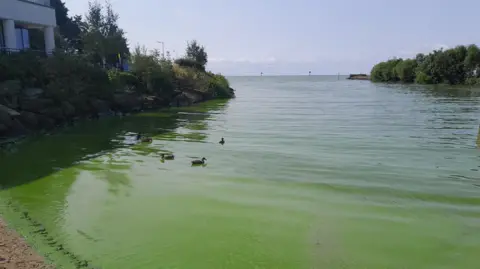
(315, 173)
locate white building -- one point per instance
(17, 16)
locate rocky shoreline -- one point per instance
(32, 112)
(15, 253)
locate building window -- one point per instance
(23, 40)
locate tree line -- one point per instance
(455, 66)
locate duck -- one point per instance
(168, 156)
(143, 138)
(146, 140)
(197, 162)
(222, 141)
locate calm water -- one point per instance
(315, 173)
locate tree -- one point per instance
(459, 65)
(385, 71)
(102, 38)
(68, 27)
(405, 70)
(472, 61)
(196, 52)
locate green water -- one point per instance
(315, 173)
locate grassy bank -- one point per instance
(456, 66)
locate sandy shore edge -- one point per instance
(15, 253)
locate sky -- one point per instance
(286, 37)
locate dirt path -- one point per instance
(15, 253)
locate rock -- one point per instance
(17, 128)
(150, 102)
(10, 87)
(36, 105)
(5, 118)
(45, 122)
(11, 112)
(232, 92)
(55, 113)
(32, 93)
(3, 128)
(193, 96)
(68, 109)
(100, 107)
(181, 100)
(127, 102)
(28, 119)
(81, 105)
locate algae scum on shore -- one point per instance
(332, 174)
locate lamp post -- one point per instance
(163, 48)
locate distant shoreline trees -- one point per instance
(456, 66)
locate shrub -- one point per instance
(423, 78)
(472, 81)
(184, 62)
(123, 80)
(26, 66)
(70, 75)
(218, 85)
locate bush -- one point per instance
(472, 81)
(423, 78)
(218, 85)
(122, 80)
(184, 62)
(71, 75)
(26, 66)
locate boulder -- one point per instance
(81, 106)
(68, 109)
(45, 122)
(127, 102)
(55, 113)
(29, 119)
(3, 129)
(5, 118)
(36, 105)
(100, 107)
(150, 102)
(32, 93)
(193, 96)
(10, 87)
(232, 91)
(181, 100)
(17, 128)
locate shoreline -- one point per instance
(16, 253)
(7, 141)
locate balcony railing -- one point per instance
(39, 2)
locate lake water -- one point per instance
(315, 173)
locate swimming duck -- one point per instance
(197, 162)
(143, 138)
(168, 156)
(146, 140)
(222, 141)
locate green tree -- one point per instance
(196, 52)
(472, 61)
(154, 72)
(453, 71)
(102, 38)
(385, 71)
(405, 70)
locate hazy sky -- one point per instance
(293, 37)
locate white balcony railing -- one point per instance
(40, 2)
